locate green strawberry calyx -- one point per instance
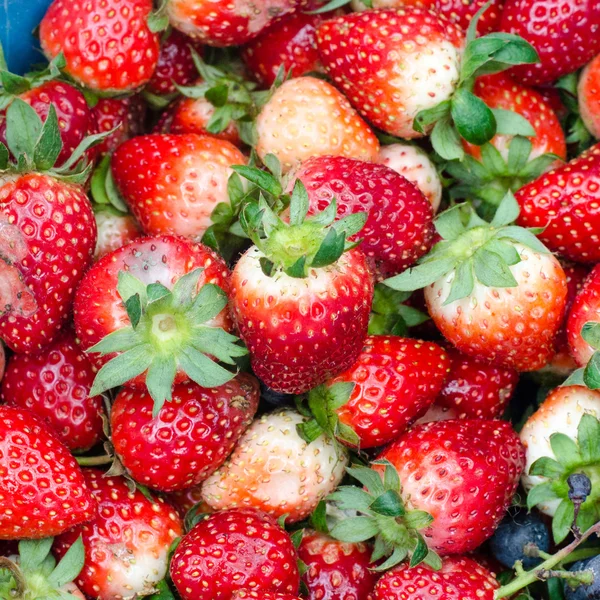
(471, 251)
(169, 330)
(588, 376)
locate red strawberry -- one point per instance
(126, 113)
(399, 228)
(42, 490)
(461, 13)
(2, 360)
(175, 64)
(564, 202)
(588, 94)
(172, 183)
(184, 500)
(127, 544)
(190, 437)
(564, 33)
(220, 23)
(392, 63)
(464, 473)
(460, 578)
(308, 117)
(107, 45)
(336, 570)
(115, 229)
(252, 595)
(233, 550)
(55, 385)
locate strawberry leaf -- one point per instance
(562, 521)
(546, 467)
(355, 529)
(590, 332)
(388, 504)
(422, 275)
(23, 128)
(450, 223)
(591, 373)
(518, 154)
(33, 553)
(472, 117)
(541, 493)
(446, 141)
(512, 123)
(420, 552)
(426, 118)
(159, 381)
(462, 284)
(588, 438)
(70, 565)
(299, 204)
(565, 450)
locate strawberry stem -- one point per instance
(19, 591)
(93, 461)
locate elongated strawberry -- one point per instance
(172, 183)
(42, 490)
(308, 117)
(588, 95)
(399, 227)
(107, 45)
(124, 117)
(127, 544)
(55, 385)
(275, 470)
(233, 550)
(212, 421)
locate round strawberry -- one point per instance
(115, 229)
(127, 544)
(42, 490)
(399, 227)
(127, 114)
(254, 595)
(172, 183)
(588, 95)
(233, 550)
(55, 385)
(190, 437)
(461, 13)
(107, 45)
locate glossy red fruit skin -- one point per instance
(461, 13)
(127, 529)
(57, 235)
(565, 201)
(128, 114)
(396, 380)
(98, 309)
(232, 550)
(175, 64)
(299, 340)
(189, 439)
(253, 595)
(54, 385)
(107, 46)
(464, 473)
(42, 489)
(336, 570)
(460, 578)
(564, 33)
(477, 389)
(399, 228)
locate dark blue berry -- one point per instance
(514, 533)
(275, 398)
(580, 487)
(585, 592)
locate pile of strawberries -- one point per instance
(301, 301)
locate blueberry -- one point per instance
(275, 398)
(514, 533)
(580, 487)
(585, 592)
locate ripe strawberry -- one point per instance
(460, 578)
(184, 500)
(221, 23)
(55, 385)
(115, 229)
(233, 550)
(392, 383)
(172, 183)
(275, 470)
(588, 95)
(336, 570)
(154, 451)
(308, 117)
(107, 45)
(564, 202)
(127, 544)
(392, 63)
(564, 33)
(461, 13)
(42, 490)
(252, 595)
(126, 113)
(464, 473)
(414, 164)
(175, 64)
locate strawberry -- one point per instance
(127, 544)
(494, 291)
(233, 550)
(149, 312)
(172, 183)
(588, 94)
(460, 578)
(413, 163)
(115, 229)
(392, 383)
(107, 44)
(175, 64)
(42, 490)
(125, 114)
(275, 470)
(564, 203)
(221, 23)
(308, 117)
(55, 385)
(153, 450)
(392, 63)
(252, 595)
(461, 13)
(185, 500)
(336, 570)
(564, 33)
(2, 360)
